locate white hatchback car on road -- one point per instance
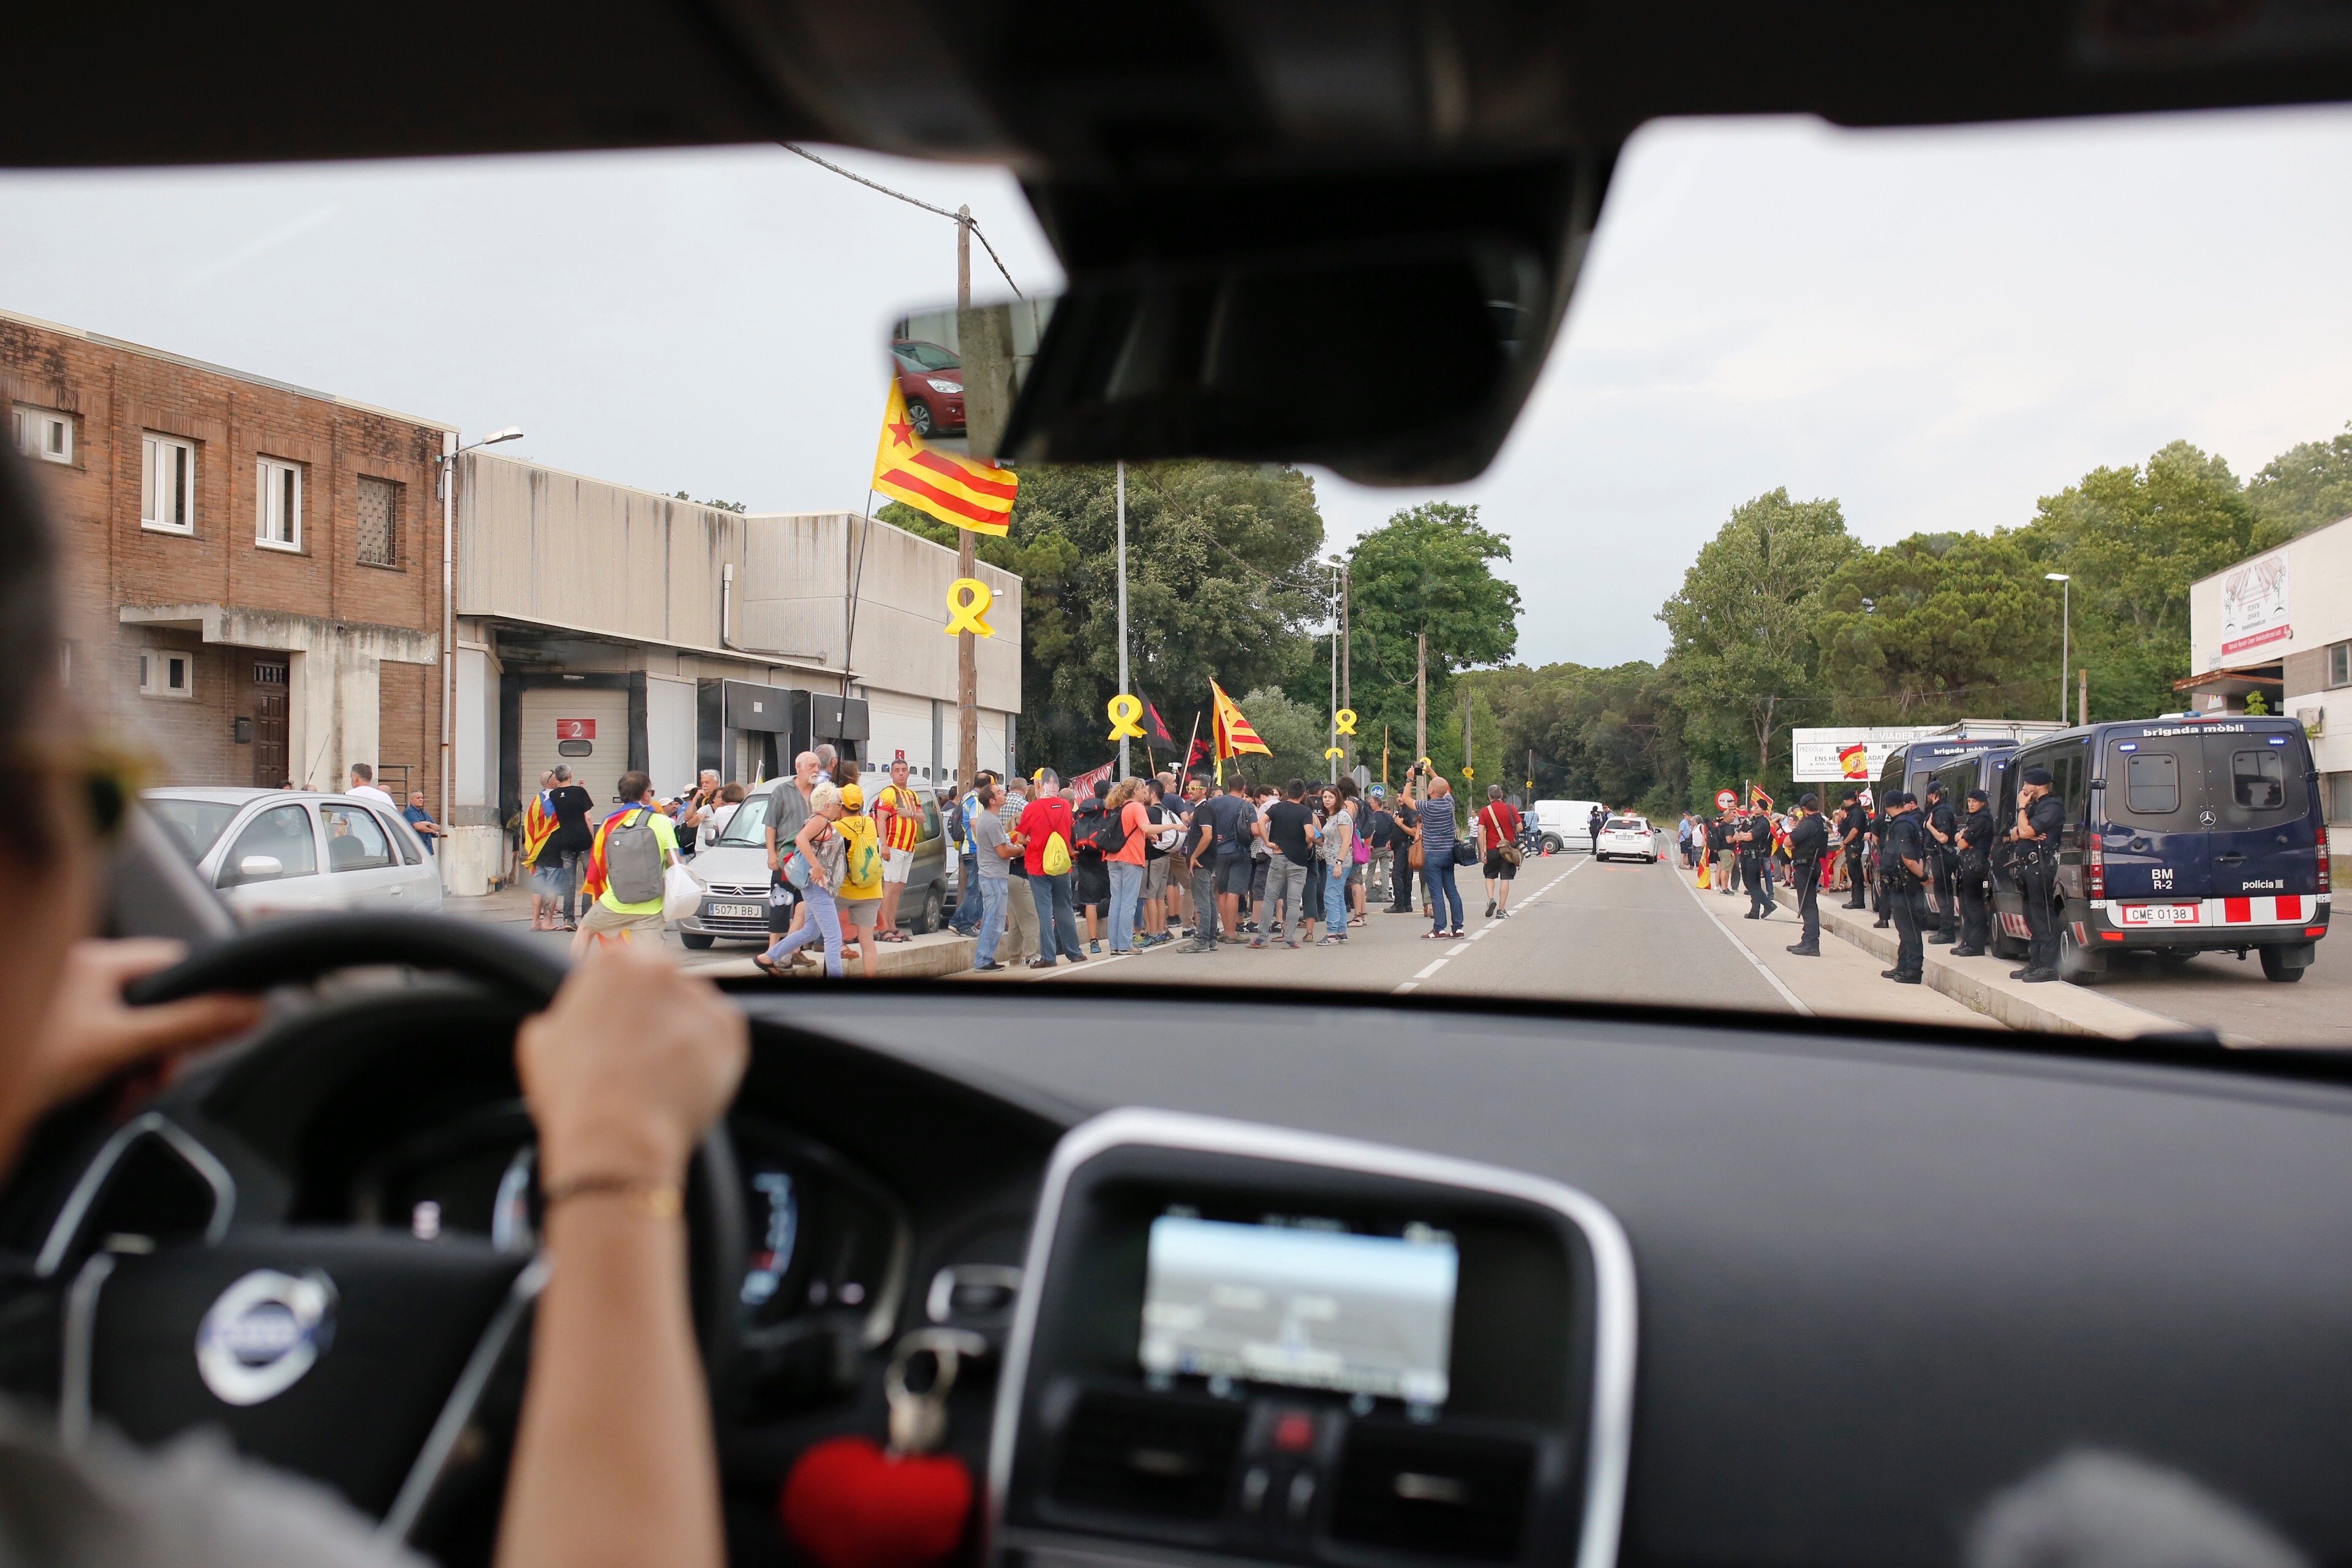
(1627, 838)
(285, 852)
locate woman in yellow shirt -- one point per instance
(861, 880)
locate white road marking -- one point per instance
(1733, 938)
(1457, 949)
(1408, 985)
(1430, 969)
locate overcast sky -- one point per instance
(1935, 327)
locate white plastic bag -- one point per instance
(681, 893)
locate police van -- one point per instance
(2183, 835)
(1960, 766)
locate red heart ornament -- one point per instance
(847, 1504)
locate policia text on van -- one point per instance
(2176, 836)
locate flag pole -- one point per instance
(1184, 770)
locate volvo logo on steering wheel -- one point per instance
(263, 1333)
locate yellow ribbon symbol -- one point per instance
(1333, 752)
(1468, 772)
(968, 602)
(1346, 721)
(1124, 712)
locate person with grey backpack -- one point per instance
(633, 854)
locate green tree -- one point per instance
(1938, 626)
(1296, 733)
(1742, 657)
(1430, 569)
(1216, 588)
(2306, 487)
(2133, 540)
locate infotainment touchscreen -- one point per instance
(1301, 1305)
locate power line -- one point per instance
(912, 202)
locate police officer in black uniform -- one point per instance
(1969, 870)
(1881, 818)
(2039, 818)
(1809, 842)
(1755, 840)
(1942, 826)
(1902, 851)
(1854, 831)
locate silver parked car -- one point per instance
(734, 876)
(283, 852)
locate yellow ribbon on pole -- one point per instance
(1345, 718)
(968, 602)
(1124, 712)
(1333, 752)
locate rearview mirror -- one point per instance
(1398, 364)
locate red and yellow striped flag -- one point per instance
(1233, 732)
(960, 491)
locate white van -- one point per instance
(1566, 823)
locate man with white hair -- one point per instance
(788, 812)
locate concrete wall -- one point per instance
(2319, 604)
(557, 550)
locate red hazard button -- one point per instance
(1294, 1432)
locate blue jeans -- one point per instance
(992, 916)
(1125, 889)
(1439, 880)
(822, 922)
(1334, 902)
(1057, 922)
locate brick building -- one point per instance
(252, 569)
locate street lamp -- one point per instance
(2066, 630)
(446, 462)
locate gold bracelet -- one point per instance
(654, 1200)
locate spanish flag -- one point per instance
(1235, 735)
(1854, 762)
(957, 491)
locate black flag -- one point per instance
(1154, 727)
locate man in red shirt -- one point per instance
(897, 814)
(1498, 830)
(1046, 815)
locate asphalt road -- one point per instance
(1581, 929)
(2217, 992)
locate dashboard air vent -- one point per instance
(1446, 1494)
(1137, 1453)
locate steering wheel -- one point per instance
(360, 1357)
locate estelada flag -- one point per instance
(1756, 797)
(1155, 728)
(537, 826)
(1854, 762)
(960, 490)
(1235, 735)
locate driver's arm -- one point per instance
(614, 1462)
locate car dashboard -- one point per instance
(1311, 1280)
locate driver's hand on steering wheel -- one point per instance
(627, 1066)
(92, 1032)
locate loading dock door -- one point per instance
(588, 731)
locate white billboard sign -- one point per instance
(2253, 605)
(1848, 754)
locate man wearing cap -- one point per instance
(1809, 842)
(1902, 867)
(2038, 820)
(1942, 826)
(1975, 863)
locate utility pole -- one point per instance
(2082, 703)
(1421, 697)
(1347, 661)
(1122, 602)
(967, 652)
(1467, 698)
(1334, 741)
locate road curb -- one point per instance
(1982, 986)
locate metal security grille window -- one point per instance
(167, 490)
(277, 511)
(379, 512)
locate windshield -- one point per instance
(1928, 439)
(192, 826)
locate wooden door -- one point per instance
(270, 757)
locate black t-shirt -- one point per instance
(1851, 820)
(1976, 830)
(1285, 826)
(573, 833)
(1231, 816)
(1380, 828)
(2047, 818)
(1406, 816)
